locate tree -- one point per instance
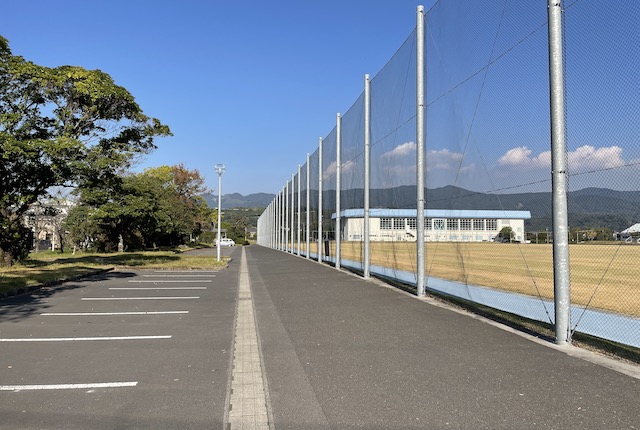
(61, 126)
(144, 210)
(506, 234)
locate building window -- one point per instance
(465, 224)
(386, 223)
(492, 224)
(478, 224)
(428, 223)
(452, 224)
(439, 224)
(411, 223)
(398, 223)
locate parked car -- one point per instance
(225, 241)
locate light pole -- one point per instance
(219, 170)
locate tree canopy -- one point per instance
(160, 207)
(61, 126)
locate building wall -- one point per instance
(436, 229)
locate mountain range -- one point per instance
(588, 207)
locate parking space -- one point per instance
(122, 350)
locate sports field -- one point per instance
(604, 276)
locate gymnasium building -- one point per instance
(440, 225)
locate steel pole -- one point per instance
(299, 225)
(338, 225)
(320, 201)
(367, 175)
(219, 213)
(561, 286)
(420, 145)
(307, 212)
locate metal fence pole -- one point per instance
(338, 226)
(286, 217)
(299, 225)
(420, 143)
(561, 286)
(277, 221)
(293, 211)
(320, 200)
(308, 212)
(367, 175)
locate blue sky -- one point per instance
(249, 84)
(253, 85)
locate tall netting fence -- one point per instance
(488, 230)
(393, 166)
(602, 72)
(352, 187)
(487, 159)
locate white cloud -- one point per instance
(583, 158)
(443, 159)
(332, 168)
(401, 150)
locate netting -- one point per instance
(487, 171)
(602, 73)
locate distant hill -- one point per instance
(588, 208)
(235, 200)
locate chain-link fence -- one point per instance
(488, 219)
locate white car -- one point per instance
(225, 241)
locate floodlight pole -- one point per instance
(219, 170)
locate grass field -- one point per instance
(48, 267)
(603, 276)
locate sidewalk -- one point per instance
(341, 353)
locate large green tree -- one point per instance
(161, 206)
(61, 126)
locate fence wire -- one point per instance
(488, 217)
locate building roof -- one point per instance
(633, 229)
(435, 213)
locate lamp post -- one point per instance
(219, 170)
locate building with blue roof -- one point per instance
(440, 225)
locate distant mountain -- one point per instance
(588, 207)
(235, 200)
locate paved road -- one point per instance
(277, 337)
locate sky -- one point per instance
(254, 85)
(250, 84)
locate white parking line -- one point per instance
(158, 288)
(185, 271)
(72, 339)
(86, 314)
(179, 276)
(159, 281)
(139, 298)
(67, 386)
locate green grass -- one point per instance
(47, 268)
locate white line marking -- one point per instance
(158, 288)
(185, 271)
(72, 339)
(139, 298)
(65, 314)
(67, 386)
(170, 282)
(179, 276)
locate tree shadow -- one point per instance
(36, 299)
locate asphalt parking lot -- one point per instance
(124, 350)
